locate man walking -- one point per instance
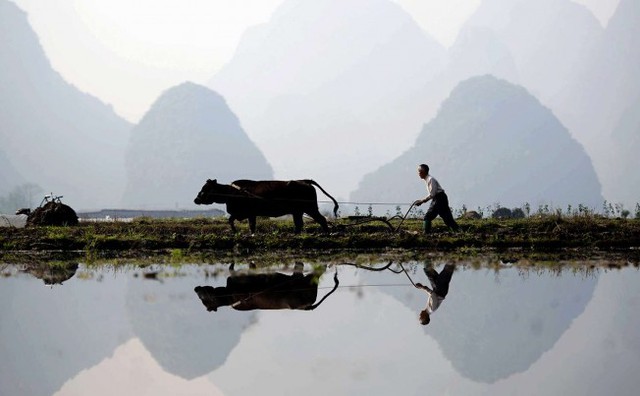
(439, 201)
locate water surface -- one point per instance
(132, 330)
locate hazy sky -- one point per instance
(127, 52)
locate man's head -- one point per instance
(424, 317)
(423, 170)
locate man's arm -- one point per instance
(429, 197)
(421, 201)
(421, 286)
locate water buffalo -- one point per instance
(246, 292)
(247, 199)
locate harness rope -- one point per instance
(325, 287)
(407, 274)
(336, 284)
(363, 219)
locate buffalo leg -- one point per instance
(297, 222)
(317, 216)
(231, 223)
(252, 224)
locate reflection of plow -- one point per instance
(386, 267)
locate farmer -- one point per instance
(440, 284)
(439, 201)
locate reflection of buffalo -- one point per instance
(52, 274)
(247, 199)
(266, 291)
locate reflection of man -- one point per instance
(440, 288)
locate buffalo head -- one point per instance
(207, 295)
(211, 192)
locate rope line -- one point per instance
(249, 196)
(269, 290)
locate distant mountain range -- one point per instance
(347, 112)
(71, 144)
(53, 135)
(188, 136)
(599, 103)
(332, 89)
(587, 75)
(548, 39)
(491, 142)
(8, 174)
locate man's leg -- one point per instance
(431, 274)
(432, 213)
(445, 212)
(444, 278)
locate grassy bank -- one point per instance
(579, 235)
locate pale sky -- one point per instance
(127, 52)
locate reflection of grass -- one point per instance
(181, 238)
(161, 268)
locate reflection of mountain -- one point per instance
(55, 136)
(188, 136)
(177, 330)
(600, 352)
(49, 334)
(133, 371)
(491, 142)
(491, 326)
(328, 89)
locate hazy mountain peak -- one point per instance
(478, 51)
(323, 73)
(624, 25)
(191, 100)
(307, 44)
(45, 120)
(20, 52)
(549, 39)
(9, 177)
(491, 142)
(188, 136)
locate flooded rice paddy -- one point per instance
(76, 329)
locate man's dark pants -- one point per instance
(440, 281)
(439, 207)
